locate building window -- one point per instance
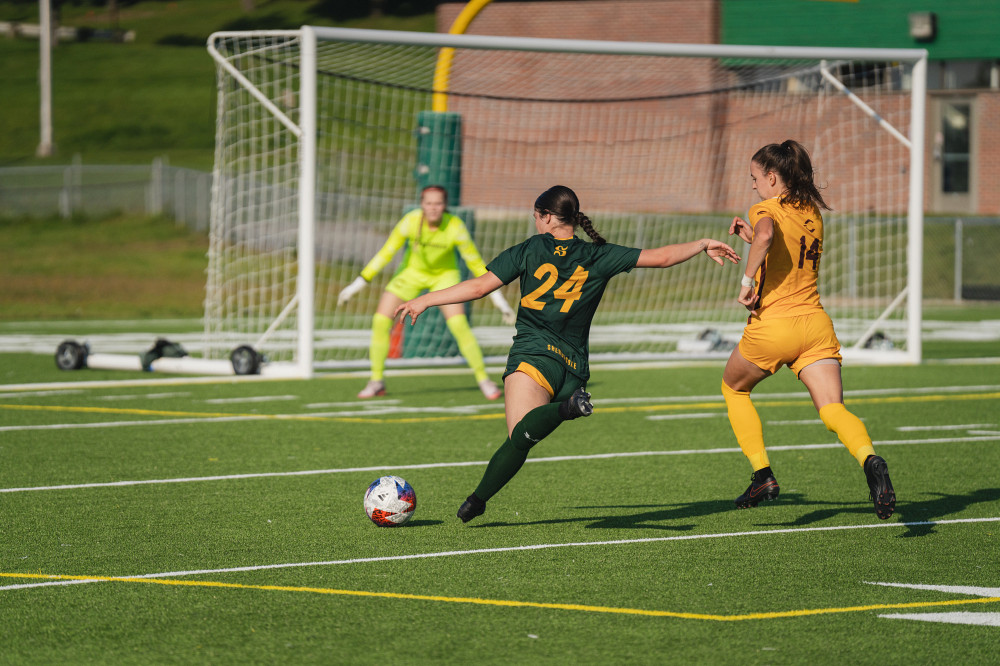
(954, 178)
(955, 157)
(961, 74)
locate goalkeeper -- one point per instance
(431, 235)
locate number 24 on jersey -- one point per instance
(568, 292)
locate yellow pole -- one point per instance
(442, 72)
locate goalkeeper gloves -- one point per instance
(347, 292)
(498, 301)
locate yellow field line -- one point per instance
(513, 603)
(484, 417)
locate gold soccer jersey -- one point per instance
(786, 281)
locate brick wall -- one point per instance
(988, 152)
(678, 21)
(547, 145)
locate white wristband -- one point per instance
(747, 281)
(500, 303)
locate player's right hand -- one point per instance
(347, 292)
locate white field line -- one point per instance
(121, 424)
(256, 398)
(36, 394)
(143, 396)
(473, 463)
(694, 415)
(967, 426)
(511, 549)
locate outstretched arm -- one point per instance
(669, 255)
(469, 290)
(377, 263)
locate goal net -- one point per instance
(326, 136)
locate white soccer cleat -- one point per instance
(375, 387)
(489, 389)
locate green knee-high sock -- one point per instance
(467, 345)
(378, 350)
(535, 426)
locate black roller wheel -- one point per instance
(71, 355)
(246, 361)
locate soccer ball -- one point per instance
(390, 501)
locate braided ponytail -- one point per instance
(561, 201)
(584, 223)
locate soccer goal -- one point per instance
(325, 137)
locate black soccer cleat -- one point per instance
(882, 494)
(576, 405)
(762, 487)
(471, 507)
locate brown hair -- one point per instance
(561, 201)
(440, 189)
(790, 160)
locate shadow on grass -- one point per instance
(941, 506)
(917, 514)
(653, 517)
(422, 523)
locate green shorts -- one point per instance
(550, 373)
(409, 282)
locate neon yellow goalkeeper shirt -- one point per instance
(429, 251)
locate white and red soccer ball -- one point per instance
(390, 501)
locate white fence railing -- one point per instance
(954, 258)
(157, 189)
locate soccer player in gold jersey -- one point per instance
(787, 323)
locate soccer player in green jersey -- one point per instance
(562, 281)
(431, 235)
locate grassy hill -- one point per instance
(125, 103)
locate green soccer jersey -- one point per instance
(562, 282)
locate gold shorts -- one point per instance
(408, 283)
(792, 341)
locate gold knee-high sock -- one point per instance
(850, 430)
(746, 426)
(378, 349)
(467, 345)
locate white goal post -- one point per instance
(326, 135)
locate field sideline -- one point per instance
(220, 521)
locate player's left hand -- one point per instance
(412, 308)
